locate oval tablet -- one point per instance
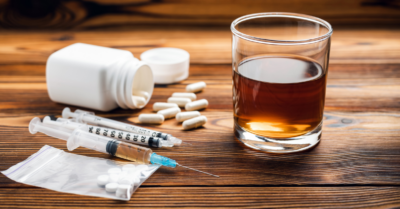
(170, 112)
(191, 96)
(151, 118)
(182, 116)
(163, 105)
(181, 102)
(196, 105)
(194, 122)
(196, 87)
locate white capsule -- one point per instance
(191, 96)
(139, 101)
(194, 122)
(111, 187)
(103, 180)
(163, 105)
(196, 87)
(114, 170)
(181, 102)
(151, 118)
(170, 112)
(182, 116)
(143, 94)
(196, 105)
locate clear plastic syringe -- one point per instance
(82, 116)
(81, 138)
(116, 134)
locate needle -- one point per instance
(198, 170)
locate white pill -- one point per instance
(143, 94)
(111, 187)
(182, 116)
(114, 170)
(196, 105)
(194, 122)
(163, 105)
(128, 168)
(196, 87)
(181, 102)
(113, 178)
(123, 191)
(151, 118)
(103, 180)
(126, 180)
(170, 112)
(191, 96)
(139, 101)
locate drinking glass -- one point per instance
(280, 65)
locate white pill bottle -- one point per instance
(98, 77)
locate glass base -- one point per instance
(288, 145)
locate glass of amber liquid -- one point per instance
(280, 64)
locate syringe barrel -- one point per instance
(55, 131)
(82, 116)
(82, 138)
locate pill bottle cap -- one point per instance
(169, 65)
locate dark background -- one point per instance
(87, 14)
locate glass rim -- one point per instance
(283, 15)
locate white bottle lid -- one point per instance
(169, 65)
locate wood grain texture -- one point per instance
(205, 45)
(214, 197)
(56, 14)
(356, 165)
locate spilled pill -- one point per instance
(151, 118)
(182, 116)
(196, 105)
(170, 112)
(194, 122)
(196, 87)
(181, 102)
(163, 105)
(190, 96)
(139, 101)
(143, 94)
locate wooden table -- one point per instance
(356, 165)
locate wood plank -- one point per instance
(215, 197)
(108, 13)
(205, 45)
(356, 148)
(378, 83)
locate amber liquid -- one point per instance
(279, 96)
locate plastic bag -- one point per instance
(57, 170)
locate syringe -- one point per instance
(116, 134)
(81, 138)
(82, 116)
